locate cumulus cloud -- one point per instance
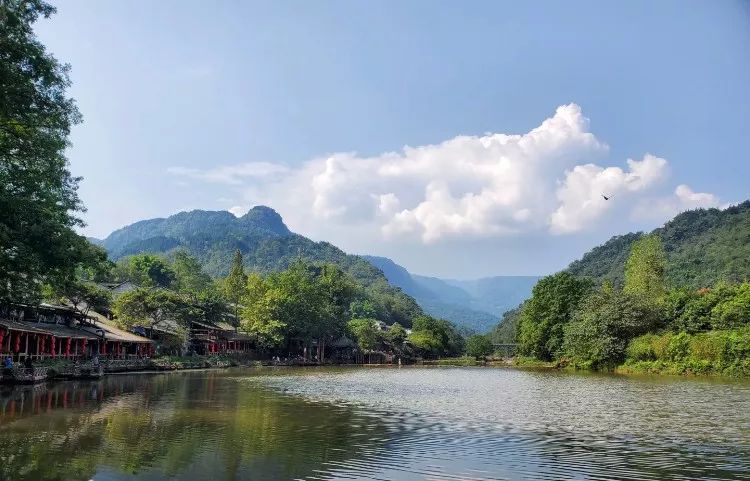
(231, 174)
(581, 194)
(550, 179)
(683, 198)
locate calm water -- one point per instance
(376, 423)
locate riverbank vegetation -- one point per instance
(640, 325)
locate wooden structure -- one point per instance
(48, 331)
(211, 338)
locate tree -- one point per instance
(362, 308)
(479, 346)
(732, 311)
(189, 276)
(436, 337)
(149, 270)
(85, 296)
(426, 343)
(396, 335)
(38, 195)
(152, 308)
(235, 284)
(506, 331)
(365, 331)
(554, 300)
(601, 328)
(644, 269)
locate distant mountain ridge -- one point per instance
(265, 241)
(476, 304)
(702, 246)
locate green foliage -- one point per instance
(151, 307)
(86, 296)
(304, 302)
(367, 334)
(602, 326)
(553, 302)
(715, 352)
(644, 270)
(732, 311)
(703, 247)
(479, 346)
(723, 307)
(147, 270)
(38, 195)
(266, 245)
(362, 308)
(506, 331)
(396, 335)
(435, 337)
(189, 276)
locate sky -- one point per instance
(460, 139)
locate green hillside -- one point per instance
(266, 243)
(703, 247)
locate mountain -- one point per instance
(266, 244)
(702, 246)
(476, 304)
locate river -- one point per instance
(409, 423)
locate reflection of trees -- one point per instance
(175, 423)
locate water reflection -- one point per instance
(395, 424)
(191, 426)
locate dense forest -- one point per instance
(646, 321)
(267, 246)
(702, 247)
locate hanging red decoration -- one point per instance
(17, 346)
(52, 346)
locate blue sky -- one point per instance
(307, 107)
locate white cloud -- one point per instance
(581, 194)
(548, 179)
(684, 198)
(231, 174)
(238, 210)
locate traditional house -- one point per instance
(49, 331)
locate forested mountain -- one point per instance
(266, 243)
(703, 247)
(474, 304)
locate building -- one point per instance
(51, 331)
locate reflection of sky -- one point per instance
(482, 423)
(397, 424)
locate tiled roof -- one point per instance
(57, 330)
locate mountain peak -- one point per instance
(267, 218)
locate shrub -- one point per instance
(641, 348)
(678, 347)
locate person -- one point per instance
(95, 360)
(27, 363)
(8, 364)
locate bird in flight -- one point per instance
(606, 198)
